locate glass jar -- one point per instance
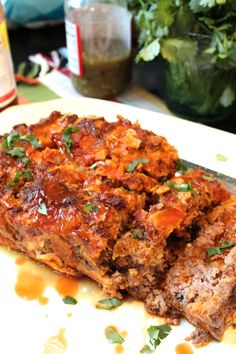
(7, 80)
(195, 86)
(98, 34)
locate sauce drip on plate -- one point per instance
(183, 348)
(67, 287)
(31, 286)
(119, 349)
(20, 260)
(32, 281)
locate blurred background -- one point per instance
(181, 59)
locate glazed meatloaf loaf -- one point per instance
(70, 186)
(86, 196)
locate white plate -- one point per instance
(27, 327)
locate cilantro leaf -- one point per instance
(108, 304)
(164, 180)
(10, 140)
(170, 184)
(18, 152)
(42, 209)
(199, 5)
(137, 235)
(132, 166)
(221, 157)
(177, 50)
(228, 97)
(218, 250)
(25, 160)
(156, 335)
(180, 166)
(95, 164)
(90, 193)
(146, 349)
(196, 228)
(211, 3)
(66, 137)
(163, 25)
(32, 140)
(90, 208)
(149, 52)
(182, 187)
(113, 336)
(69, 300)
(209, 178)
(57, 159)
(213, 251)
(26, 174)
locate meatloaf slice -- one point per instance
(142, 253)
(202, 283)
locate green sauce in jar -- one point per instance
(106, 68)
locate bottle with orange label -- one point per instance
(7, 81)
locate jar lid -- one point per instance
(81, 3)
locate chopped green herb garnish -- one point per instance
(180, 166)
(182, 187)
(32, 140)
(196, 228)
(18, 152)
(221, 157)
(146, 349)
(113, 336)
(137, 235)
(26, 174)
(209, 178)
(11, 184)
(218, 250)
(156, 335)
(69, 300)
(90, 208)
(66, 137)
(90, 193)
(108, 304)
(57, 159)
(95, 164)
(132, 166)
(10, 140)
(164, 180)
(25, 160)
(42, 209)
(170, 184)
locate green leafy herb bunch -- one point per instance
(165, 25)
